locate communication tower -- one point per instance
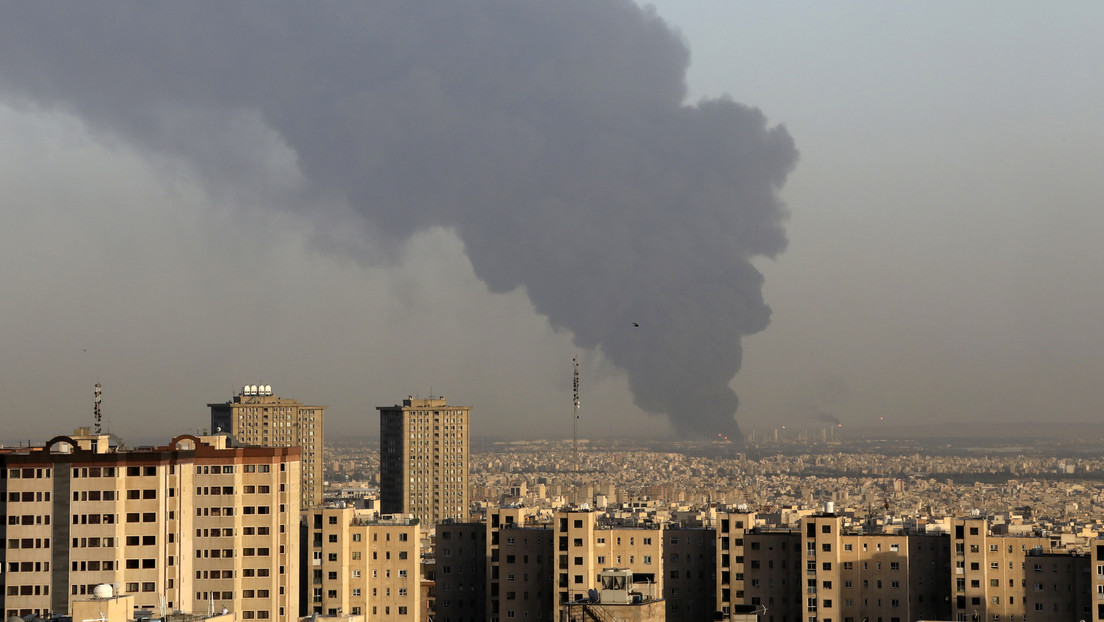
(97, 415)
(575, 432)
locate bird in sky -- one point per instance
(636, 325)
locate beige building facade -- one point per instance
(520, 573)
(1017, 577)
(424, 459)
(583, 549)
(194, 525)
(362, 565)
(255, 416)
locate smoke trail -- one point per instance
(825, 417)
(550, 135)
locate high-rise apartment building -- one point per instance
(362, 565)
(1097, 580)
(826, 571)
(424, 445)
(1008, 577)
(520, 574)
(584, 548)
(257, 417)
(689, 558)
(193, 525)
(819, 567)
(461, 574)
(730, 560)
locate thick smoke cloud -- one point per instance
(551, 136)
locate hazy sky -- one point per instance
(174, 234)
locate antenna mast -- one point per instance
(575, 431)
(97, 416)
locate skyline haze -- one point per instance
(943, 226)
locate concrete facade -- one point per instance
(194, 525)
(424, 454)
(461, 574)
(361, 565)
(257, 417)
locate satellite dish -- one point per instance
(103, 591)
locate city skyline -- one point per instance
(942, 244)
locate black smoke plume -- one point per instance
(552, 136)
(825, 417)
